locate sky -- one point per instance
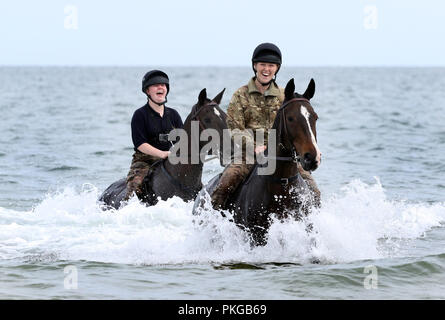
(222, 32)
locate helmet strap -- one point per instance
(159, 104)
(265, 84)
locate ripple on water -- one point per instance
(63, 168)
(355, 128)
(102, 153)
(238, 266)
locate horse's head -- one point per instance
(210, 116)
(295, 123)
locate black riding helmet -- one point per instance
(155, 77)
(267, 52)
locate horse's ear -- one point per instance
(310, 91)
(219, 96)
(202, 98)
(289, 91)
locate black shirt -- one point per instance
(147, 124)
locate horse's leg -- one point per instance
(258, 235)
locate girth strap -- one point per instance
(283, 181)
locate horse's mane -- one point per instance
(192, 112)
(278, 122)
(195, 107)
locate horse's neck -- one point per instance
(188, 173)
(284, 169)
(275, 187)
(272, 183)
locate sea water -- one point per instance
(65, 136)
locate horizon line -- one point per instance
(216, 66)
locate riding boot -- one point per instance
(230, 179)
(311, 184)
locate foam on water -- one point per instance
(350, 225)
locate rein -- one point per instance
(295, 157)
(194, 116)
(292, 100)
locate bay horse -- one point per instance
(283, 193)
(166, 179)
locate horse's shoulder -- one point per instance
(251, 174)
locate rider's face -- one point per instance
(265, 71)
(157, 92)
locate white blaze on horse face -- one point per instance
(216, 112)
(306, 115)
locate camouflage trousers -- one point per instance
(234, 174)
(139, 169)
(230, 179)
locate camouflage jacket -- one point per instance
(249, 109)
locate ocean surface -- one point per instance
(379, 234)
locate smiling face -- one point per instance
(157, 92)
(265, 71)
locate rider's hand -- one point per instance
(259, 149)
(165, 154)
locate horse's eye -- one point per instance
(290, 119)
(207, 120)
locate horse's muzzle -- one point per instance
(309, 162)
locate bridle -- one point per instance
(194, 116)
(295, 156)
(172, 179)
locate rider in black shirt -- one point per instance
(150, 126)
(147, 124)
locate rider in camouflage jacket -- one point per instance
(252, 109)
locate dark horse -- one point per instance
(283, 193)
(182, 179)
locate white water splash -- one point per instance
(70, 225)
(350, 225)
